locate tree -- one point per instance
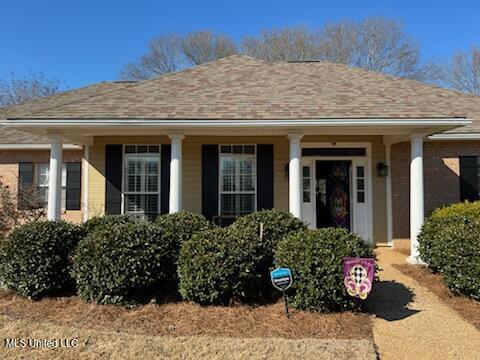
(287, 44)
(201, 47)
(172, 52)
(164, 55)
(376, 44)
(463, 74)
(18, 90)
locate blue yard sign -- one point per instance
(282, 279)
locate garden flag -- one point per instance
(358, 274)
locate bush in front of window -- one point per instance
(449, 243)
(99, 222)
(35, 259)
(315, 258)
(176, 229)
(121, 264)
(214, 266)
(276, 225)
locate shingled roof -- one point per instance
(241, 87)
(9, 135)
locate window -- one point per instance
(141, 181)
(41, 181)
(237, 180)
(306, 183)
(360, 184)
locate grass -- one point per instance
(468, 308)
(182, 330)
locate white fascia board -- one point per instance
(36, 147)
(236, 123)
(455, 137)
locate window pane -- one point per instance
(142, 149)
(306, 196)
(237, 149)
(306, 184)
(249, 149)
(360, 184)
(360, 196)
(130, 149)
(360, 171)
(225, 149)
(306, 171)
(154, 149)
(237, 204)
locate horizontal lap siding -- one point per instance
(192, 169)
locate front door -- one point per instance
(332, 190)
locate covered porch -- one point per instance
(286, 176)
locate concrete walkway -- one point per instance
(413, 323)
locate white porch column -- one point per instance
(295, 176)
(55, 179)
(416, 195)
(175, 203)
(388, 160)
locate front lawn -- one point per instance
(184, 330)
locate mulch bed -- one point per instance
(187, 319)
(469, 309)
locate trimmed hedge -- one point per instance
(449, 243)
(109, 221)
(120, 264)
(246, 230)
(214, 268)
(35, 259)
(316, 260)
(176, 229)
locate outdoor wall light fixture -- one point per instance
(382, 169)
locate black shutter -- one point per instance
(264, 177)
(25, 184)
(209, 180)
(113, 177)
(468, 178)
(74, 185)
(165, 178)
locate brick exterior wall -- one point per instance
(9, 160)
(441, 178)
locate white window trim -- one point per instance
(159, 208)
(37, 185)
(220, 180)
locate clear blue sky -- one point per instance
(85, 41)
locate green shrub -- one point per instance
(179, 227)
(276, 225)
(35, 259)
(316, 260)
(214, 266)
(449, 243)
(121, 264)
(466, 208)
(109, 221)
(432, 244)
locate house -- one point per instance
(334, 145)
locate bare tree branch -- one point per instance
(18, 90)
(463, 74)
(164, 55)
(287, 44)
(204, 46)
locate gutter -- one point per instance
(36, 147)
(235, 122)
